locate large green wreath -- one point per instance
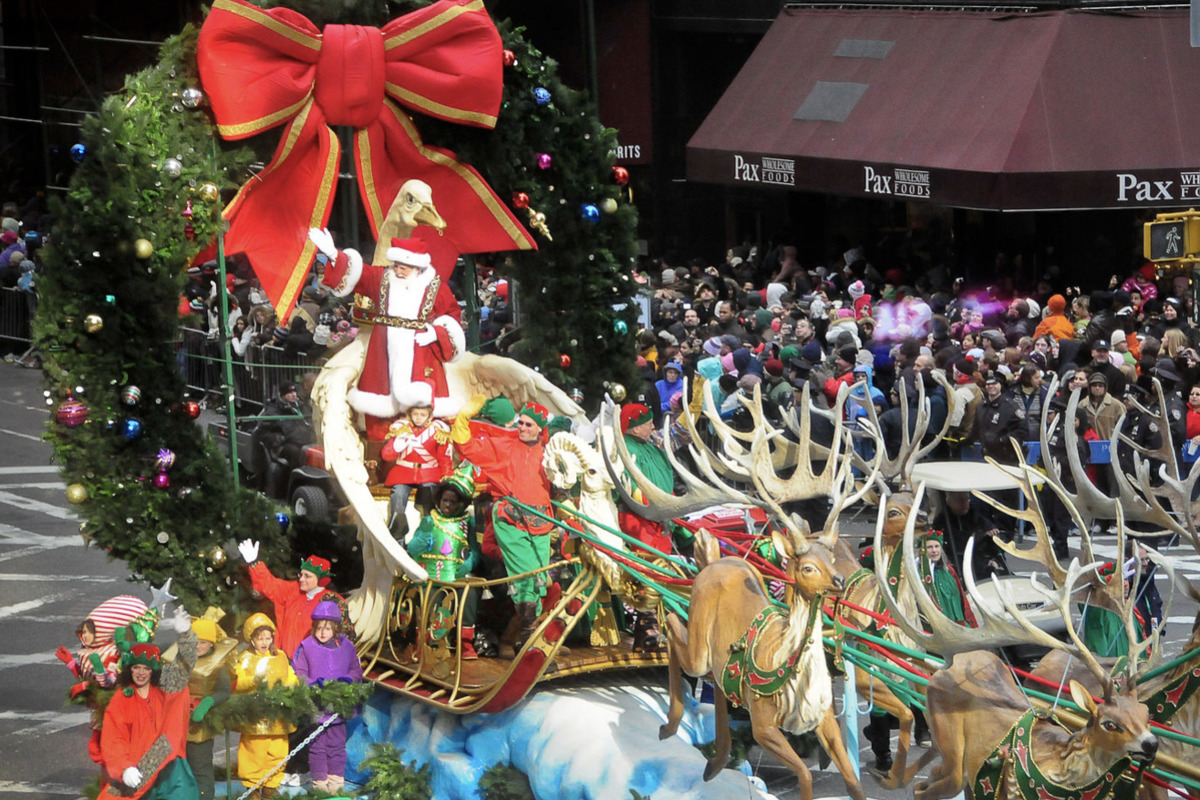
(120, 194)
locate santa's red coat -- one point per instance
(398, 372)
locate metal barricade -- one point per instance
(16, 315)
(257, 374)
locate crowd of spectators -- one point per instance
(781, 327)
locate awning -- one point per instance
(1054, 110)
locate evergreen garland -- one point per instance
(121, 193)
(392, 779)
(296, 705)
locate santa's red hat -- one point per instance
(410, 252)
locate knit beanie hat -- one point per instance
(318, 566)
(1057, 304)
(536, 412)
(712, 346)
(146, 655)
(811, 352)
(633, 415)
(774, 368)
(788, 353)
(847, 353)
(856, 290)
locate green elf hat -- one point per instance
(499, 410)
(934, 536)
(538, 413)
(317, 566)
(462, 480)
(634, 414)
(146, 655)
(560, 424)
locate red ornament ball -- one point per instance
(192, 409)
(510, 58)
(620, 176)
(162, 481)
(72, 413)
(520, 200)
(544, 160)
(564, 361)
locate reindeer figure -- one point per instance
(770, 661)
(984, 731)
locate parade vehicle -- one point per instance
(309, 488)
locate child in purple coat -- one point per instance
(327, 655)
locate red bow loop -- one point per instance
(446, 60)
(257, 66)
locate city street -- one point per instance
(49, 581)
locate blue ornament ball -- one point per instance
(283, 519)
(541, 96)
(132, 429)
(621, 327)
(589, 212)
(78, 152)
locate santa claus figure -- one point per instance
(417, 326)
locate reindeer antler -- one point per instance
(948, 638)
(663, 506)
(1086, 499)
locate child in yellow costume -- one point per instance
(264, 743)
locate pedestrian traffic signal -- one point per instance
(1172, 237)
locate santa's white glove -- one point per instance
(132, 777)
(324, 241)
(180, 621)
(426, 337)
(249, 550)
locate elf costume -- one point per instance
(150, 733)
(943, 585)
(293, 608)
(514, 470)
(264, 743)
(447, 547)
(652, 462)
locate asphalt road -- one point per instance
(49, 582)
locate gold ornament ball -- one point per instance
(209, 192)
(77, 493)
(609, 206)
(217, 557)
(143, 249)
(617, 392)
(92, 323)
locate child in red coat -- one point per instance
(419, 451)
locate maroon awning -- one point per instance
(1055, 110)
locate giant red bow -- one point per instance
(266, 68)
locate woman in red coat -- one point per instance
(144, 739)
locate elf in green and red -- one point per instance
(942, 582)
(512, 464)
(144, 739)
(294, 600)
(446, 545)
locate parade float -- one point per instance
(460, 135)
